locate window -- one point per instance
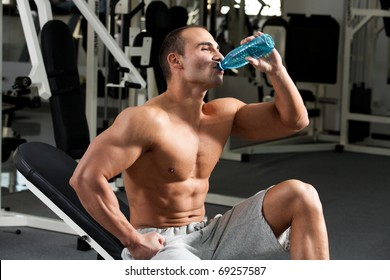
(256, 7)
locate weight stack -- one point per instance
(360, 103)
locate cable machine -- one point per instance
(356, 101)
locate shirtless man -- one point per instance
(167, 149)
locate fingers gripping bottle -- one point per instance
(258, 47)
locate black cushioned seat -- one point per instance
(49, 169)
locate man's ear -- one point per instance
(174, 60)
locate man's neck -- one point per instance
(188, 102)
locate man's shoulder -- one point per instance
(145, 112)
(145, 120)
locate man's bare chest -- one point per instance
(187, 153)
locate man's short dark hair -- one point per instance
(173, 42)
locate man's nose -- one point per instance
(218, 56)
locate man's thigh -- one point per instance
(241, 233)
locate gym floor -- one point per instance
(354, 189)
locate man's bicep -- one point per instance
(113, 154)
(256, 122)
(120, 145)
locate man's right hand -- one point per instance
(147, 246)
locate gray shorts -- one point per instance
(241, 233)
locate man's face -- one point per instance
(200, 59)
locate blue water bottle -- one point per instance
(258, 47)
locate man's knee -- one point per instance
(305, 196)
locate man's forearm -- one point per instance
(288, 100)
(102, 204)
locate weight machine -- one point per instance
(355, 19)
(39, 80)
